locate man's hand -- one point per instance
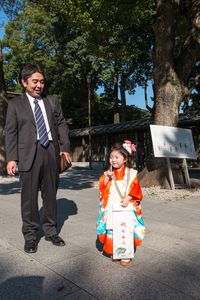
(11, 168)
(67, 156)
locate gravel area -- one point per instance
(170, 195)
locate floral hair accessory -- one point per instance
(128, 146)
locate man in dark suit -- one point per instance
(35, 135)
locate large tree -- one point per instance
(122, 44)
(175, 55)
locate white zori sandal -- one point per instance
(125, 262)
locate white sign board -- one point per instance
(172, 142)
(123, 224)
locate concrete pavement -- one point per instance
(166, 266)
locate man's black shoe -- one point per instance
(30, 246)
(56, 240)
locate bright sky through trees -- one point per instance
(137, 99)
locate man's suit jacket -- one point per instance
(21, 132)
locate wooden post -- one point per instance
(185, 169)
(171, 179)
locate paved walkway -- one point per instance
(166, 266)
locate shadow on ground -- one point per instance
(76, 178)
(22, 287)
(164, 283)
(65, 208)
(8, 188)
(79, 178)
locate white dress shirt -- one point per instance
(41, 104)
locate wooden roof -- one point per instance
(188, 120)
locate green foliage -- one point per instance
(28, 38)
(134, 113)
(72, 39)
(12, 7)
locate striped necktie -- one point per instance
(41, 127)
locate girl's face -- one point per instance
(117, 160)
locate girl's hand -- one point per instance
(108, 174)
(125, 201)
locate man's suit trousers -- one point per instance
(43, 176)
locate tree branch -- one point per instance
(191, 47)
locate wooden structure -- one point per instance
(11, 95)
(138, 131)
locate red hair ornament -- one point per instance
(128, 146)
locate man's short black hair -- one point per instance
(28, 70)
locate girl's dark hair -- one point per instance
(28, 70)
(118, 147)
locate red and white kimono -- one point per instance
(128, 184)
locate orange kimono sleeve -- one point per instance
(101, 184)
(104, 190)
(135, 190)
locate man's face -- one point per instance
(34, 85)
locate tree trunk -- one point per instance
(171, 75)
(150, 109)
(116, 100)
(168, 98)
(168, 90)
(123, 98)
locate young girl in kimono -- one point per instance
(119, 185)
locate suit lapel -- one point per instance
(48, 110)
(28, 109)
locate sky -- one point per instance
(137, 99)
(3, 21)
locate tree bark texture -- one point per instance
(171, 73)
(168, 92)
